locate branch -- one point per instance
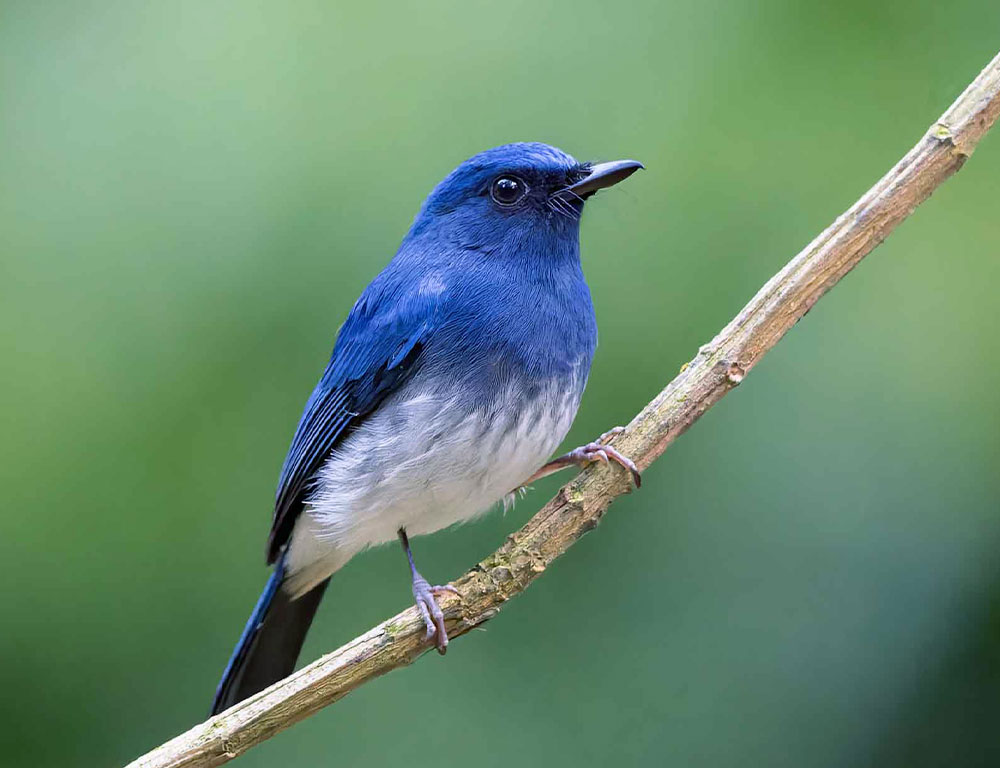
(718, 367)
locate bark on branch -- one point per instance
(718, 367)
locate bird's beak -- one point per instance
(605, 175)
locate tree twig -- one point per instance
(719, 366)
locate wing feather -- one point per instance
(377, 349)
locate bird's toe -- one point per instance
(431, 613)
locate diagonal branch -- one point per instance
(718, 367)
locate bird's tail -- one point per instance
(270, 644)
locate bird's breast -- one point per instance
(433, 455)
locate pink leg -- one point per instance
(587, 454)
(423, 596)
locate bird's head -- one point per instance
(514, 194)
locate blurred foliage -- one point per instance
(193, 193)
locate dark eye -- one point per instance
(508, 190)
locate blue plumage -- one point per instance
(376, 349)
(456, 374)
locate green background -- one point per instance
(193, 193)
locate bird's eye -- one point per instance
(508, 190)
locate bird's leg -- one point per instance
(598, 450)
(423, 595)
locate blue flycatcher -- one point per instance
(456, 375)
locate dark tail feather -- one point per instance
(270, 643)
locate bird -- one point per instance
(453, 380)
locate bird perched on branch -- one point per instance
(456, 375)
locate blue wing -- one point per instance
(377, 349)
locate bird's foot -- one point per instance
(430, 611)
(599, 450)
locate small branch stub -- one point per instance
(735, 373)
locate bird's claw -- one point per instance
(430, 611)
(599, 450)
(613, 432)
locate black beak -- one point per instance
(604, 175)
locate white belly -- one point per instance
(423, 463)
